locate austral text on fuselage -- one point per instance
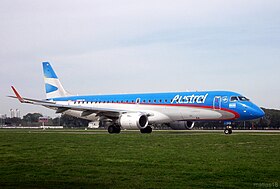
(190, 99)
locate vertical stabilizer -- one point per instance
(52, 84)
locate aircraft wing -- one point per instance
(60, 108)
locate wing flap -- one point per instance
(87, 113)
(61, 110)
(85, 110)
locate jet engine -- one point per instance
(133, 121)
(182, 125)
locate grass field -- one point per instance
(95, 159)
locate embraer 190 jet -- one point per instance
(116, 112)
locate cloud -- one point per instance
(78, 26)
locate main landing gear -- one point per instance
(114, 129)
(228, 130)
(148, 129)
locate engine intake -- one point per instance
(182, 125)
(133, 121)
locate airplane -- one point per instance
(116, 112)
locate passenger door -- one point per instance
(217, 102)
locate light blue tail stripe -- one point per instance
(50, 88)
(48, 71)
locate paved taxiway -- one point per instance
(172, 132)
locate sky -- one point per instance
(128, 46)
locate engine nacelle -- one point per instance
(182, 125)
(133, 121)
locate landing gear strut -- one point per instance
(114, 129)
(228, 130)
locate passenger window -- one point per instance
(233, 99)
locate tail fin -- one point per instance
(52, 84)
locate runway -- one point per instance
(104, 131)
(155, 132)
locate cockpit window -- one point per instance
(233, 98)
(243, 98)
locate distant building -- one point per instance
(17, 113)
(12, 113)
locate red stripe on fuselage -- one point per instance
(236, 115)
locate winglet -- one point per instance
(17, 95)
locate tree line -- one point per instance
(270, 121)
(32, 119)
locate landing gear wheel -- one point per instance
(114, 129)
(228, 130)
(111, 129)
(117, 129)
(146, 130)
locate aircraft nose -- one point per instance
(261, 113)
(258, 113)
